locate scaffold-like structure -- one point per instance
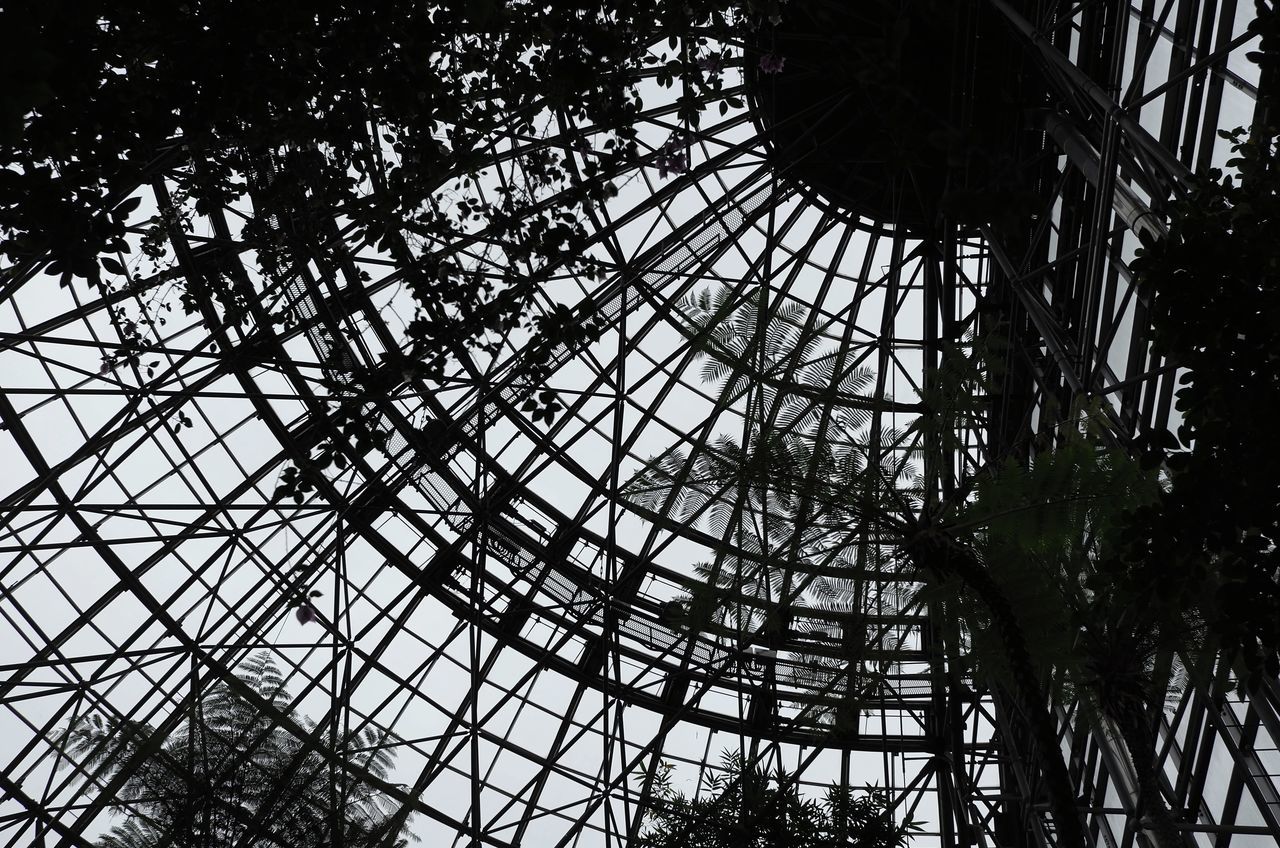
(511, 603)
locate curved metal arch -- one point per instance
(1082, 349)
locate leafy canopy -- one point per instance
(362, 110)
(1212, 541)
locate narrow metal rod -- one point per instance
(1174, 170)
(1144, 223)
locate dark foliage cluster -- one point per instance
(426, 131)
(363, 111)
(1210, 541)
(748, 807)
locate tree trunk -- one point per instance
(1136, 732)
(944, 557)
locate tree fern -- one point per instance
(232, 775)
(749, 807)
(791, 496)
(1039, 528)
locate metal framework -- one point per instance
(498, 591)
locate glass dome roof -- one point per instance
(686, 560)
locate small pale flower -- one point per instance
(771, 63)
(712, 64)
(672, 158)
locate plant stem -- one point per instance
(943, 557)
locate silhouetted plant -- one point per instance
(1211, 541)
(230, 775)
(751, 808)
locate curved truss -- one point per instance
(498, 591)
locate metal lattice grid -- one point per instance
(495, 592)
